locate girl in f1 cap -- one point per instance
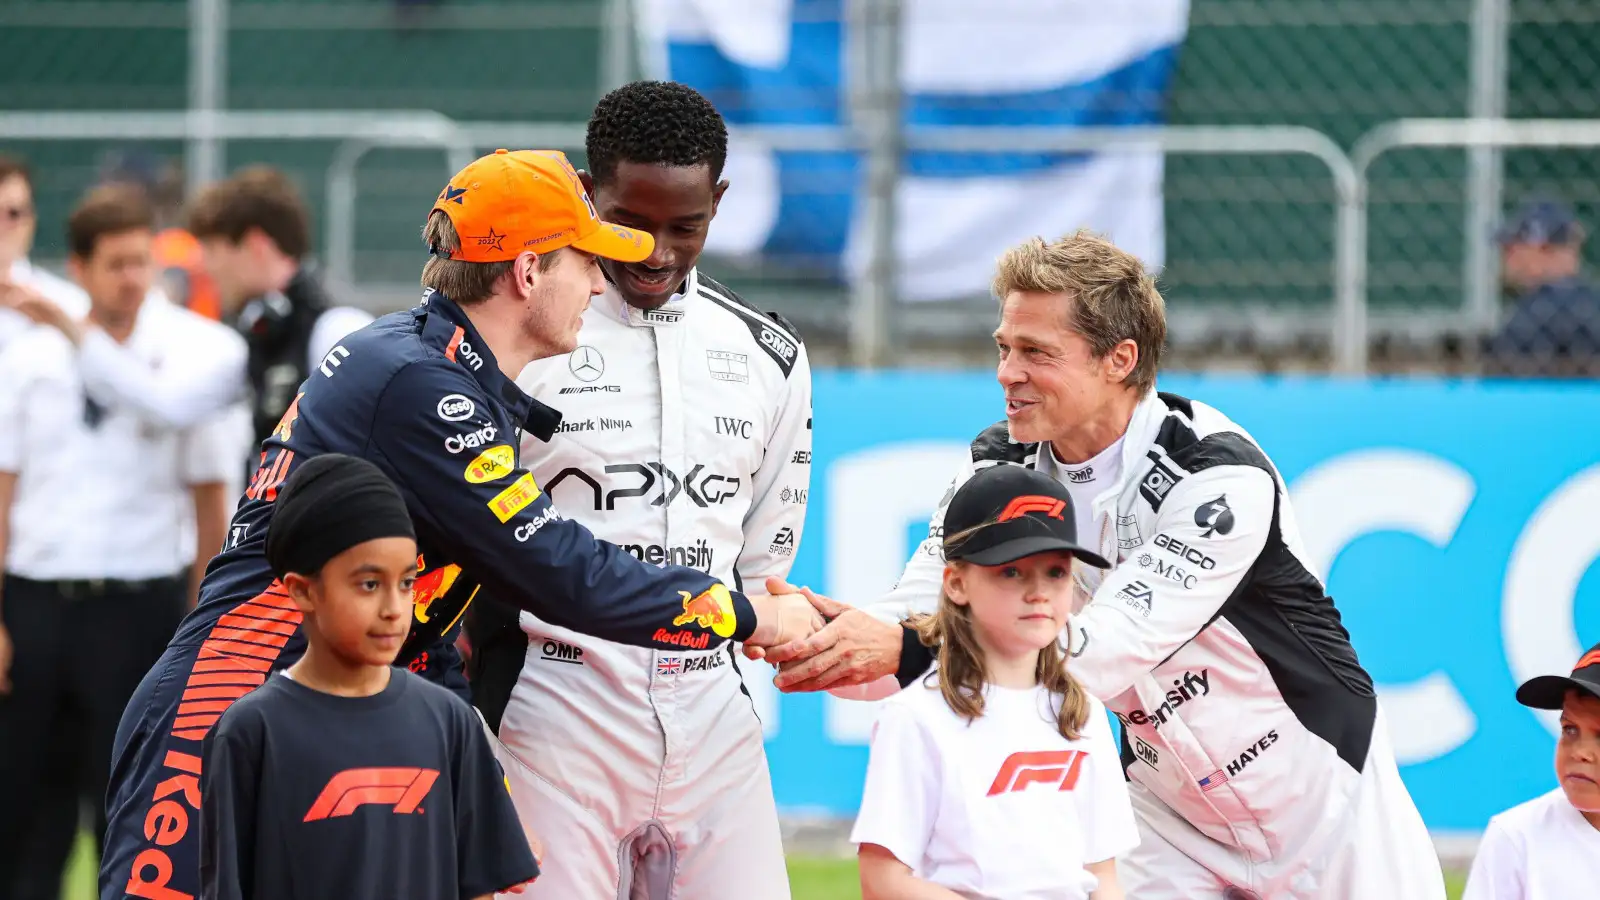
(1549, 847)
(996, 775)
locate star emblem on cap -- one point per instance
(492, 239)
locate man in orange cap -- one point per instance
(428, 395)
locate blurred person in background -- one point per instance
(180, 267)
(686, 439)
(1553, 329)
(255, 233)
(1259, 757)
(106, 522)
(1549, 847)
(19, 219)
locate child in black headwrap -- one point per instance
(343, 776)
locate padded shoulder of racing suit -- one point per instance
(771, 331)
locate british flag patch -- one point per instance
(669, 665)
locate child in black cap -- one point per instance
(1549, 847)
(343, 776)
(996, 776)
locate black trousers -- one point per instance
(79, 651)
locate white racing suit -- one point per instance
(686, 438)
(1258, 757)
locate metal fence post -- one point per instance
(208, 87)
(876, 101)
(1490, 34)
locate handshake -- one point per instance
(819, 644)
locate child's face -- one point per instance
(1018, 607)
(1578, 751)
(360, 604)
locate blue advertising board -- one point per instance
(1455, 523)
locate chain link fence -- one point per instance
(1249, 241)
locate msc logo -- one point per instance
(513, 499)
(402, 789)
(493, 463)
(455, 408)
(1021, 771)
(1021, 506)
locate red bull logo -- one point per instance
(685, 639)
(712, 609)
(286, 424)
(430, 586)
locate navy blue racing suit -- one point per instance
(419, 394)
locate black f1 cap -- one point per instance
(1023, 511)
(1550, 691)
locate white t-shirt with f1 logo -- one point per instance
(1002, 808)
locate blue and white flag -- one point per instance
(1083, 63)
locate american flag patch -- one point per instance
(1215, 779)
(669, 665)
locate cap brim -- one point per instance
(1550, 691)
(615, 242)
(1013, 550)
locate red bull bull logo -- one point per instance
(431, 586)
(712, 609)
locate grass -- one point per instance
(810, 877)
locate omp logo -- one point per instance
(491, 464)
(513, 499)
(402, 789)
(1021, 771)
(1021, 506)
(779, 344)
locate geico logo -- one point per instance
(531, 527)
(696, 556)
(1184, 551)
(472, 440)
(701, 487)
(779, 344)
(1190, 687)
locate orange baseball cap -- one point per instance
(511, 201)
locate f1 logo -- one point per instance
(400, 788)
(1591, 658)
(1021, 506)
(1022, 770)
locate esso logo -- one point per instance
(455, 408)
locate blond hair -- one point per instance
(961, 670)
(1113, 297)
(461, 281)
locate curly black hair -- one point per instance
(655, 122)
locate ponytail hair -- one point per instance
(961, 671)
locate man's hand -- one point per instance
(853, 649)
(782, 617)
(40, 309)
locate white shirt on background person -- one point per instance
(1543, 849)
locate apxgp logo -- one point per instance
(402, 789)
(701, 487)
(1023, 770)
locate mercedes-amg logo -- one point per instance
(586, 363)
